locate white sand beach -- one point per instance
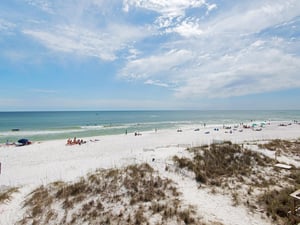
(40, 163)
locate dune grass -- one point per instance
(213, 164)
(6, 195)
(277, 204)
(248, 177)
(283, 146)
(132, 195)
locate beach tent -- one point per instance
(23, 141)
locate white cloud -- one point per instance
(172, 14)
(44, 5)
(170, 8)
(92, 28)
(133, 53)
(188, 28)
(6, 26)
(249, 72)
(255, 17)
(156, 66)
(156, 83)
(102, 44)
(211, 7)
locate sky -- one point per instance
(149, 54)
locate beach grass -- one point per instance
(6, 195)
(277, 204)
(287, 146)
(132, 195)
(250, 178)
(213, 164)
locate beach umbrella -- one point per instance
(23, 141)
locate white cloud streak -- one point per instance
(170, 8)
(254, 72)
(156, 66)
(255, 17)
(44, 5)
(172, 14)
(102, 44)
(86, 28)
(156, 83)
(6, 26)
(187, 28)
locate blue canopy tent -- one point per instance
(24, 141)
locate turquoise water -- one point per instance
(38, 126)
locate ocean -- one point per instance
(40, 126)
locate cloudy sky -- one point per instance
(149, 54)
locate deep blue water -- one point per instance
(57, 125)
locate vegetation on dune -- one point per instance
(277, 202)
(214, 163)
(133, 195)
(283, 146)
(250, 178)
(6, 195)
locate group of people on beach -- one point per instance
(75, 141)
